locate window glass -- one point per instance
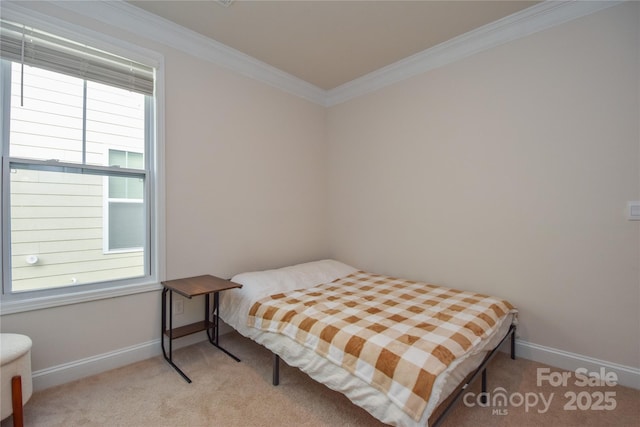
(125, 188)
(82, 217)
(115, 119)
(126, 225)
(46, 115)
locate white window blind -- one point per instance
(30, 46)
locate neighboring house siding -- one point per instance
(64, 229)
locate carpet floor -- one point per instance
(226, 393)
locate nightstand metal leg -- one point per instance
(214, 332)
(168, 356)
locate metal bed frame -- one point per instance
(459, 390)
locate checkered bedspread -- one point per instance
(396, 335)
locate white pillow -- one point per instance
(298, 276)
(236, 303)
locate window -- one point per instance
(124, 217)
(78, 175)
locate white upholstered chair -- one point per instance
(15, 375)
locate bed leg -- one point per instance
(483, 394)
(513, 343)
(276, 369)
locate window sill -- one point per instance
(23, 305)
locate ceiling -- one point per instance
(328, 42)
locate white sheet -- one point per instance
(235, 305)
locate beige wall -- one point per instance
(507, 173)
(246, 173)
(245, 188)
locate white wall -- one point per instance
(507, 173)
(245, 188)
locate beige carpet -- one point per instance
(227, 393)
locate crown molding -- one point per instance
(521, 24)
(143, 24)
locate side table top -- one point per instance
(199, 285)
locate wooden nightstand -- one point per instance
(190, 287)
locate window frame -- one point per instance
(33, 300)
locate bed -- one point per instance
(402, 350)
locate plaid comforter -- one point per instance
(394, 334)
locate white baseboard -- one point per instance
(67, 372)
(627, 376)
(61, 374)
